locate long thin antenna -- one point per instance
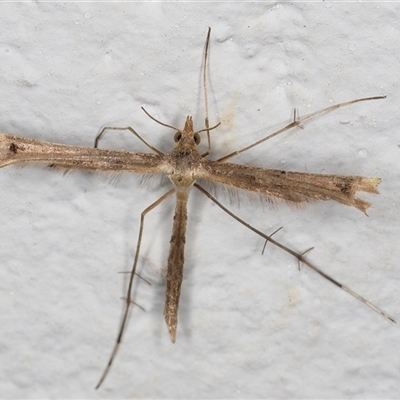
(159, 122)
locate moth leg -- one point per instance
(297, 122)
(128, 300)
(206, 121)
(128, 128)
(138, 275)
(299, 256)
(144, 280)
(266, 240)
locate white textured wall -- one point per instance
(250, 326)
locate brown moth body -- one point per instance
(184, 166)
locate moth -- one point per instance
(184, 166)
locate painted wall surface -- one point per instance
(251, 326)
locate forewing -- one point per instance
(19, 150)
(295, 187)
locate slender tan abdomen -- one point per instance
(175, 263)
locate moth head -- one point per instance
(188, 132)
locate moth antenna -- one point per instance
(159, 122)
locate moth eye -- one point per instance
(177, 137)
(197, 138)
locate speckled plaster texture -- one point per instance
(251, 326)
